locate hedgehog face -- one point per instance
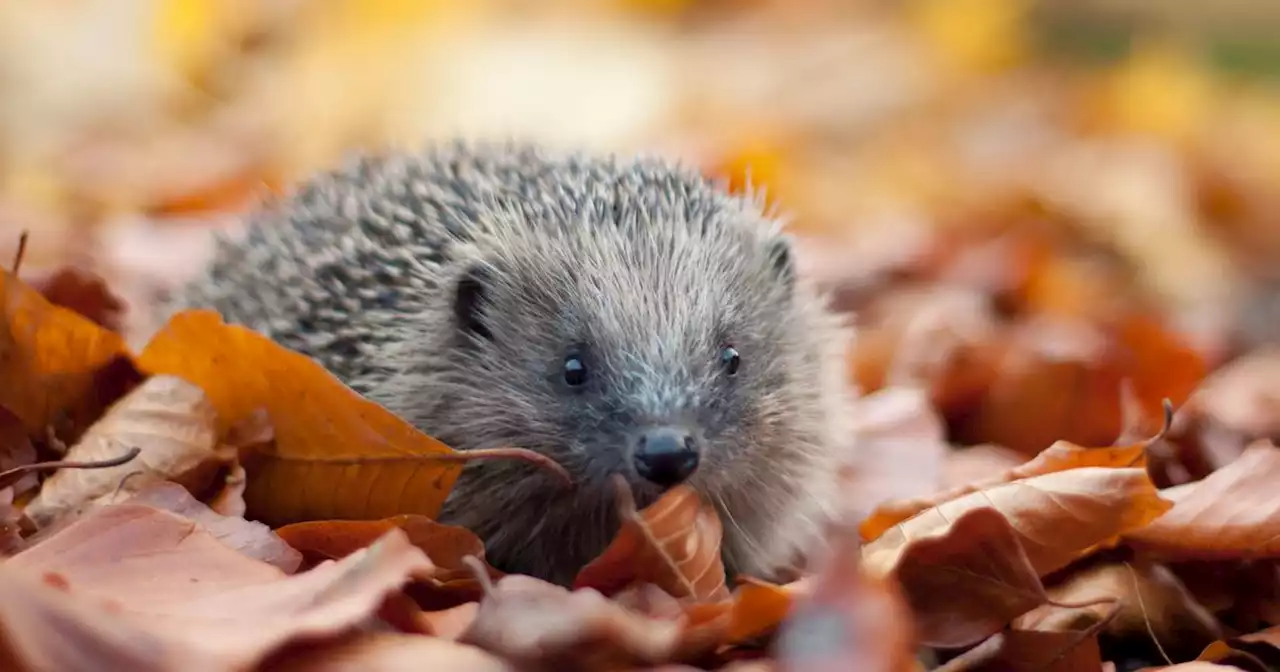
(663, 360)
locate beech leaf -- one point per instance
(1058, 517)
(390, 653)
(1233, 513)
(336, 455)
(171, 423)
(246, 536)
(968, 580)
(147, 580)
(55, 362)
(1061, 456)
(674, 544)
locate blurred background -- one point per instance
(1074, 158)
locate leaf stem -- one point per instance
(10, 476)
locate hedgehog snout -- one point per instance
(666, 455)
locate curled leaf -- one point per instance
(336, 455)
(674, 544)
(1058, 517)
(1061, 456)
(168, 420)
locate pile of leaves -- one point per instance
(215, 501)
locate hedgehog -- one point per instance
(625, 316)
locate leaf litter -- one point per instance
(1057, 261)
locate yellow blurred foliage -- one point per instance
(975, 36)
(1162, 89)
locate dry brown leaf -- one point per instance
(170, 420)
(1232, 513)
(968, 581)
(325, 433)
(173, 587)
(388, 653)
(1056, 381)
(84, 292)
(673, 543)
(1139, 600)
(848, 615)
(1061, 456)
(540, 626)
(60, 369)
(446, 545)
(1260, 648)
(248, 537)
(1058, 517)
(1023, 650)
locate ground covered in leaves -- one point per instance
(1067, 347)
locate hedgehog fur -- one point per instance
(449, 285)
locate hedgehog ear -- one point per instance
(781, 259)
(469, 298)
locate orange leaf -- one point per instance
(759, 607)
(1059, 516)
(1243, 651)
(674, 544)
(1061, 456)
(1232, 513)
(57, 365)
(336, 455)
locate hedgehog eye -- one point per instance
(729, 359)
(575, 371)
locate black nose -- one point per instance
(666, 455)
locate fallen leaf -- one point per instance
(848, 615)
(1056, 380)
(537, 625)
(1242, 396)
(1061, 456)
(674, 544)
(325, 433)
(760, 607)
(1262, 648)
(1139, 600)
(966, 582)
(388, 653)
(53, 361)
(1058, 516)
(1015, 650)
(85, 293)
(446, 545)
(174, 587)
(170, 420)
(248, 537)
(1232, 513)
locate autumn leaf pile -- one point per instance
(1067, 346)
